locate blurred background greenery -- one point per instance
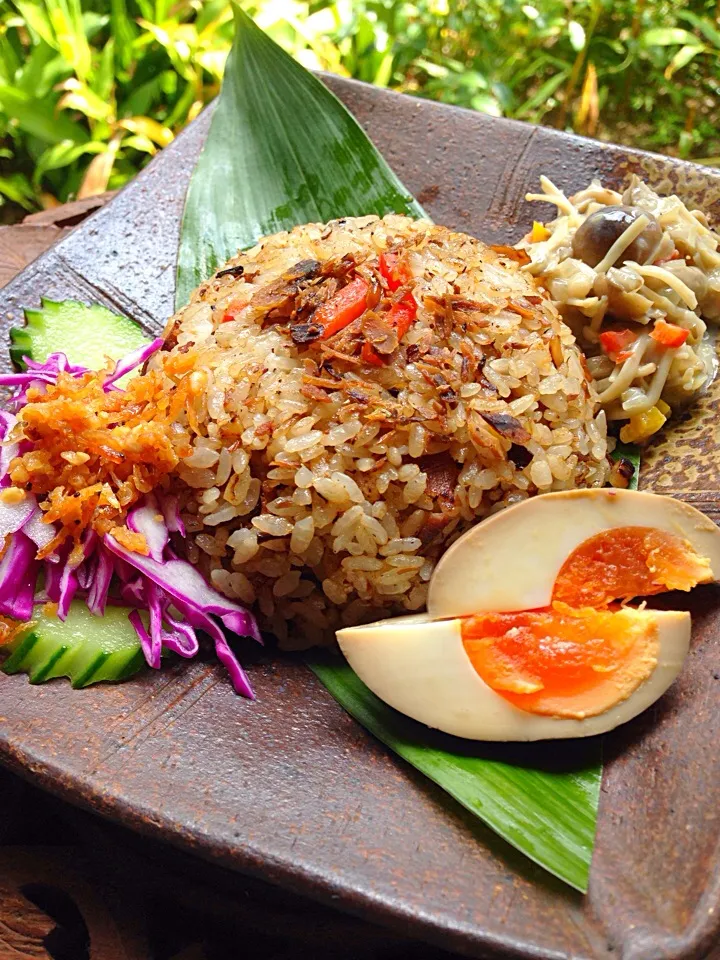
(91, 89)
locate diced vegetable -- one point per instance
(395, 269)
(669, 335)
(401, 316)
(675, 255)
(369, 354)
(642, 426)
(340, 310)
(615, 343)
(236, 305)
(82, 648)
(539, 232)
(403, 313)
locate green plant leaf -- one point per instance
(683, 57)
(37, 117)
(545, 811)
(542, 94)
(704, 25)
(291, 151)
(63, 155)
(36, 18)
(668, 37)
(16, 188)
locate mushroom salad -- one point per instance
(637, 278)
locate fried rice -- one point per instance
(328, 471)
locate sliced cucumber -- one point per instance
(86, 335)
(83, 648)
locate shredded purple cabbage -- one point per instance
(176, 598)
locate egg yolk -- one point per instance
(629, 562)
(562, 662)
(578, 657)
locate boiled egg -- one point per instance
(524, 638)
(619, 542)
(424, 669)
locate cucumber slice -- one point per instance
(86, 335)
(83, 648)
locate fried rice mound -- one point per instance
(358, 394)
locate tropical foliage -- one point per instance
(90, 89)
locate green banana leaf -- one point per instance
(281, 151)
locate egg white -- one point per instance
(420, 667)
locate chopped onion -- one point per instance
(171, 511)
(147, 520)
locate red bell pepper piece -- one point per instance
(615, 343)
(669, 334)
(233, 309)
(395, 269)
(675, 255)
(339, 311)
(403, 313)
(369, 354)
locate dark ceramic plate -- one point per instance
(289, 788)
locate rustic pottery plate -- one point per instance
(289, 788)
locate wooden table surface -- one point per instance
(75, 888)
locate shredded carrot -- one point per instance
(135, 542)
(125, 440)
(9, 629)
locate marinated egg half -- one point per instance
(525, 637)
